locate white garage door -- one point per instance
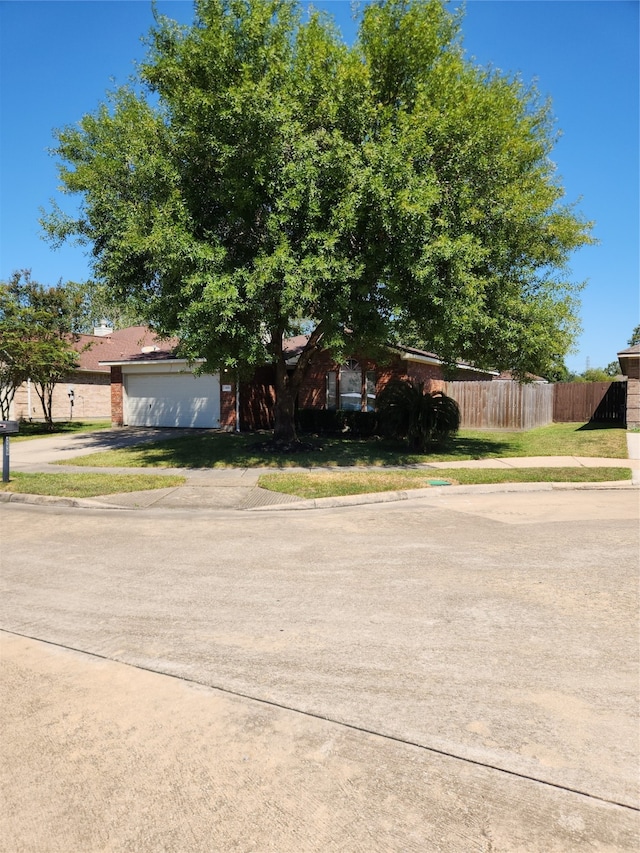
(172, 400)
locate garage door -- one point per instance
(172, 400)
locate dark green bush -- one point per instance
(321, 421)
(359, 424)
(421, 419)
(337, 422)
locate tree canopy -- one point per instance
(260, 171)
(96, 303)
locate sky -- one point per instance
(59, 57)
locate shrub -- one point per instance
(337, 422)
(421, 419)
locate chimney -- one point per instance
(103, 329)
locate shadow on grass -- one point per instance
(600, 425)
(33, 429)
(463, 448)
(221, 450)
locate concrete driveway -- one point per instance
(449, 676)
(33, 454)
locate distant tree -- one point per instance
(613, 369)
(591, 374)
(261, 171)
(596, 374)
(558, 373)
(635, 336)
(97, 303)
(36, 338)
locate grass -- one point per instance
(37, 429)
(87, 485)
(590, 439)
(333, 484)
(224, 450)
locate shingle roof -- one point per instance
(121, 345)
(633, 350)
(293, 347)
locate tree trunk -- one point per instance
(44, 391)
(285, 406)
(288, 384)
(7, 393)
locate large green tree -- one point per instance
(260, 171)
(36, 339)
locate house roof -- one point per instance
(630, 361)
(140, 344)
(508, 376)
(633, 350)
(130, 344)
(293, 347)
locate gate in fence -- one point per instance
(590, 401)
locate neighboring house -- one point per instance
(507, 376)
(630, 365)
(154, 388)
(91, 381)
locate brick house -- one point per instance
(155, 388)
(352, 385)
(630, 365)
(91, 380)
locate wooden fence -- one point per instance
(590, 401)
(502, 404)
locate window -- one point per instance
(351, 388)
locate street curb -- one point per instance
(417, 494)
(47, 500)
(347, 500)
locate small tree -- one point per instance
(421, 418)
(36, 339)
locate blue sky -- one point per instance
(57, 59)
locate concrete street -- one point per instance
(451, 673)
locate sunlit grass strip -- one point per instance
(336, 484)
(87, 485)
(572, 439)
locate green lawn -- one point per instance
(552, 440)
(36, 429)
(87, 485)
(337, 483)
(223, 450)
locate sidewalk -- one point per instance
(237, 488)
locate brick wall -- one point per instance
(399, 368)
(117, 400)
(227, 405)
(257, 396)
(633, 403)
(92, 399)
